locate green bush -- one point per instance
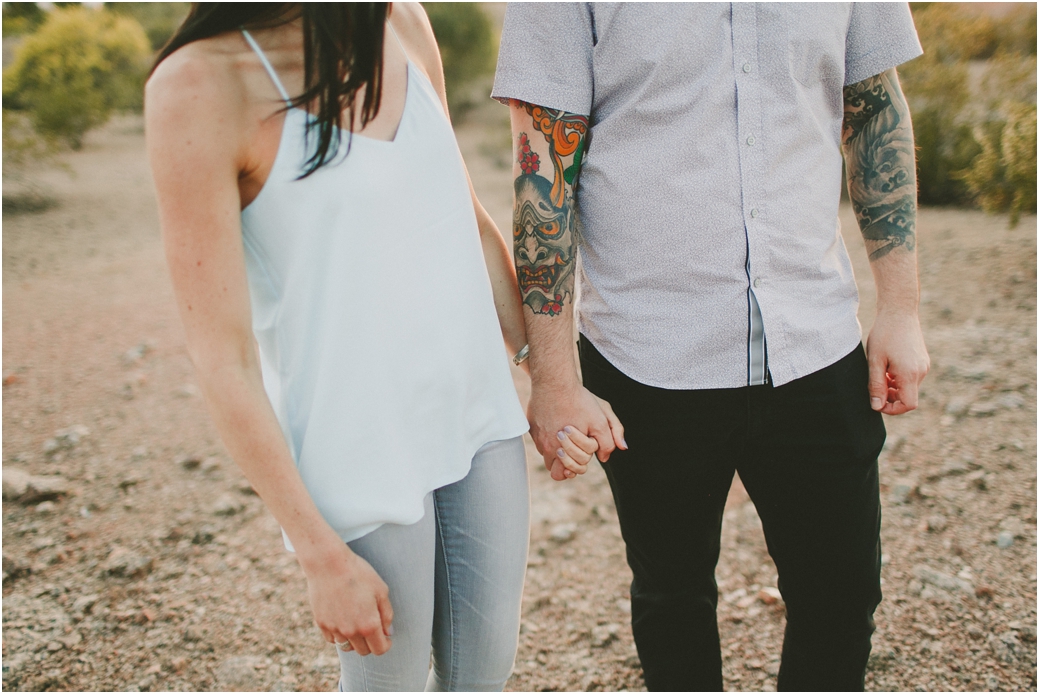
(977, 72)
(75, 70)
(468, 47)
(22, 18)
(1003, 176)
(158, 19)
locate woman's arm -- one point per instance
(413, 28)
(196, 135)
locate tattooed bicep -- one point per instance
(864, 100)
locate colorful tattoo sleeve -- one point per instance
(877, 139)
(548, 159)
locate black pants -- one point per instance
(806, 452)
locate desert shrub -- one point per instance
(75, 70)
(22, 18)
(158, 19)
(975, 71)
(1003, 176)
(468, 48)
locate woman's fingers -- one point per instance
(586, 444)
(616, 428)
(572, 456)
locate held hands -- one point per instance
(569, 426)
(351, 604)
(898, 362)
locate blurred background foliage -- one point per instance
(972, 94)
(469, 49)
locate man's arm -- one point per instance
(548, 149)
(877, 139)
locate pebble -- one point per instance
(126, 563)
(624, 605)
(45, 507)
(19, 485)
(192, 634)
(984, 409)
(936, 523)
(189, 462)
(604, 634)
(83, 604)
(1004, 539)
(957, 406)
(941, 580)
(901, 491)
(564, 532)
(227, 505)
(770, 595)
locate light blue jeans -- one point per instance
(456, 581)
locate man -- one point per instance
(717, 305)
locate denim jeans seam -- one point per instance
(452, 675)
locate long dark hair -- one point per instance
(342, 52)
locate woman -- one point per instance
(331, 264)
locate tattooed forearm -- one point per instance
(544, 216)
(877, 139)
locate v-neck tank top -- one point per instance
(379, 343)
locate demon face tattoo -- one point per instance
(543, 216)
(544, 245)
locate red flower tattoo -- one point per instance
(529, 161)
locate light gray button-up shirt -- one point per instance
(712, 175)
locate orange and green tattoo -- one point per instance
(543, 222)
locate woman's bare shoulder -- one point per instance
(413, 28)
(202, 74)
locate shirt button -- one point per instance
(751, 140)
(757, 282)
(746, 67)
(754, 212)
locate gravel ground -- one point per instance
(135, 556)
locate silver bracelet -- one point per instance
(521, 356)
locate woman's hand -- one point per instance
(575, 451)
(350, 602)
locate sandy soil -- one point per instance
(160, 571)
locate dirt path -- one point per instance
(160, 571)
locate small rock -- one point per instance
(83, 604)
(135, 354)
(45, 507)
(131, 480)
(192, 634)
(941, 580)
(1012, 525)
(564, 532)
(126, 563)
(245, 488)
(204, 535)
(604, 634)
(65, 439)
(936, 523)
(146, 684)
(977, 479)
(957, 406)
(211, 465)
(984, 409)
(72, 639)
(240, 673)
(10, 378)
(51, 446)
(1004, 539)
(901, 491)
(624, 605)
(19, 485)
(14, 568)
(189, 462)
(179, 663)
(1011, 401)
(770, 595)
(55, 646)
(227, 505)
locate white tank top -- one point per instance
(379, 342)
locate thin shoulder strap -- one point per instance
(267, 64)
(390, 27)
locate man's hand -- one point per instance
(552, 409)
(898, 362)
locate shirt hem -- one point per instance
(357, 532)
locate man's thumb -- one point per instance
(877, 384)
